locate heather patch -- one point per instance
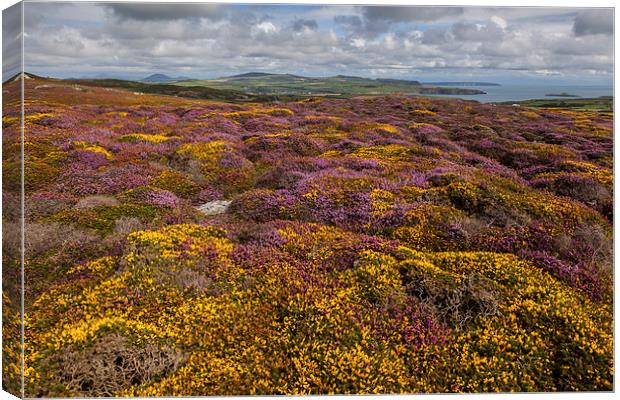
(368, 245)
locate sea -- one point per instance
(496, 94)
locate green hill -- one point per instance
(189, 90)
(258, 83)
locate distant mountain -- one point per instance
(462, 84)
(260, 86)
(187, 91)
(349, 77)
(261, 75)
(162, 78)
(251, 75)
(260, 83)
(400, 82)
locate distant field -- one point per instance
(596, 104)
(189, 91)
(338, 86)
(256, 87)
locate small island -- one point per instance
(563, 94)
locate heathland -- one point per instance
(385, 244)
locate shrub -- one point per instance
(126, 225)
(51, 249)
(177, 183)
(261, 205)
(96, 201)
(378, 276)
(152, 196)
(12, 240)
(304, 145)
(457, 304)
(579, 187)
(89, 159)
(43, 204)
(278, 112)
(110, 365)
(102, 218)
(149, 138)
(41, 238)
(443, 179)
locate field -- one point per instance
(334, 86)
(386, 244)
(603, 103)
(167, 89)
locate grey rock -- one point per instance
(214, 207)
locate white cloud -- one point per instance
(266, 27)
(358, 42)
(499, 21)
(316, 40)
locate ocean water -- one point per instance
(529, 92)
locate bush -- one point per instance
(457, 304)
(44, 204)
(41, 238)
(110, 365)
(126, 225)
(177, 183)
(102, 218)
(304, 145)
(581, 188)
(261, 205)
(96, 201)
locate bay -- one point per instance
(528, 92)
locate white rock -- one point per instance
(214, 207)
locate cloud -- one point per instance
(375, 20)
(499, 21)
(435, 36)
(389, 41)
(349, 21)
(301, 24)
(409, 14)
(265, 27)
(489, 31)
(11, 41)
(163, 11)
(594, 21)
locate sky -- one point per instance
(133, 40)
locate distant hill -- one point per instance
(462, 84)
(262, 87)
(260, 83)
(400, 82)
(161, 78)
(349, 78)
(260, 75)
(188, 91)
(251, 75)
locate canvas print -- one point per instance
(209, 199)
